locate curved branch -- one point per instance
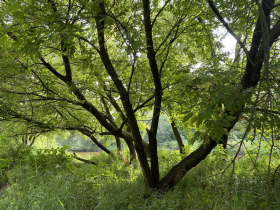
(83, 160)
(52, 69)
(215, 10)
(165, 4)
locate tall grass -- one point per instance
(48, 179)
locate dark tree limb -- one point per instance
(124, 95)
(178, 171)
(165, 4)
(83, 160)
(178, 138)
(274, 175)
(118, 141)
(158, 92)
(52, 69)
(90, 135)
(216, 11)
(144, 103)
(68, 70)
(250, 79)
(256, 53)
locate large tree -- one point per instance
(99, 66)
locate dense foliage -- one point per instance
(102, 67)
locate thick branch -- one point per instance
(179, 170)
(251, 76)
(52, 69)
(178, 137)
(83, 160)
(67, 66)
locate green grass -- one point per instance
(53, 180)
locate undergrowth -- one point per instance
(52, 179)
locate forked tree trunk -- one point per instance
(178, 138)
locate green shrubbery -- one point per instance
(51, 179)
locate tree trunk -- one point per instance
(119, 146)
(178, 138)
(132, 151)
(178, 171)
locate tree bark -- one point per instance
(132, 152)
(151, 54)
(119, 146)
(178, 138)
(178, 171)
(124, 96)
(90, 135)
(250, 79)
(83, 160)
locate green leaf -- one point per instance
(187, 117)
(193, 119)
(208, 112)
(134, 44)
(230, 117)
(222, 130)
(200, 119)
(192, 140)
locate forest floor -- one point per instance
(54, 180)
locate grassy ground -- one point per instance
(53, 180)
(84, 154)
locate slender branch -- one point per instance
(165, 4)
(266, 110)
(169, 34)
(41, 81)
(144, 103)
(89, 42)
(274, 175)
(215, 10)
(83, 160)
(52, 69)
(53, 5)
(276, 5)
